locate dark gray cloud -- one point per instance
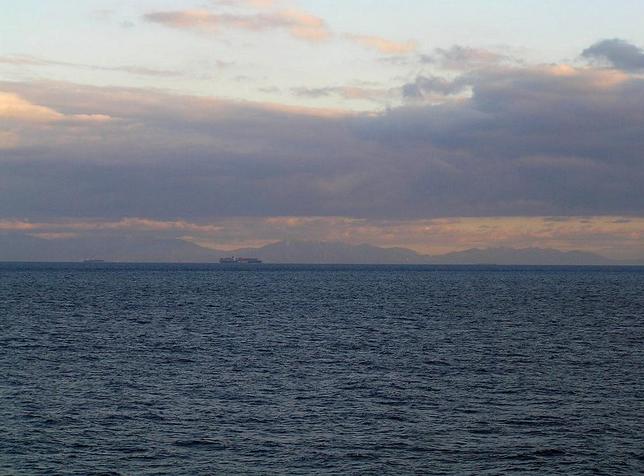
(618, 53)
(547, 141)
(425, 86)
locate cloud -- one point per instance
(138, 70)
(346, 92)
(9, 140)
(612, 236)
(14, 107)
(424, 87)
(297, 23)
(541, 140)
(618, 53)
(22, 60)
(383, 45)
(55, 235)
(22, 120)
(462, 58)
(128, 224)
(261, 15)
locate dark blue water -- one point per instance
(123, 369)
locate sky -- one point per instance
(434, 125)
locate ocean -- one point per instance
(274, 369)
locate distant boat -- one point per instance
(93, 261)
(238, 260)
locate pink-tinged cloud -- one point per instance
(297, 23)
(15, 108)
(612, 236)
(9, 140)
(19, 225)
(125, 224)
(305, 26)
(383, 45)
(22, 60)
(55, 235)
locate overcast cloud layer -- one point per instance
(529, 141)
(248, 121)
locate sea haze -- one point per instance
(21, 247)
(208, 369)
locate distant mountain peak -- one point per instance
(19, 247)
(519, 256)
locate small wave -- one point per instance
(438, 363)
(549, 452)
(543, 453)
(200, 442)
(361, 456)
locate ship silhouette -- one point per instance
(239, 260)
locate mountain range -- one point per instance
(19, 247)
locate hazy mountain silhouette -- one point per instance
(331, 253)
(15, 247)
(527, 256)
(19, 247)
(337, 252)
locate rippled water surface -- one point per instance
(124, 369)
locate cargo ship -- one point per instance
(238, 260)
